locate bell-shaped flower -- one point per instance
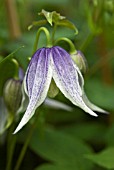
(56, 63)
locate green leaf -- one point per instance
(109, 136)
(67, 23)
(10, 56)
(56, 167)
(62, 149)
(104, 158)
(52, 16)
(37, 23)
(85, 131)
(100, 93)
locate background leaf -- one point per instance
(57, 167)
(104, 158)
(62, 149)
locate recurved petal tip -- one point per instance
(93, 106)
(27, 116)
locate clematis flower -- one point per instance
(56, 63)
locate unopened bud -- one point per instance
(12, 95)
(80, 61)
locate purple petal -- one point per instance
(65, 75)
(37, 81)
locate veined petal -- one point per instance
(85, 98)
(24, 102)
(66, 78)
(37, 81)
(57, 105)
(92, 106)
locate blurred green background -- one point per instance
(66, 140)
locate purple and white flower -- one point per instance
(56, 63)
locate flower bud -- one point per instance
(80, 60)
(12, 95)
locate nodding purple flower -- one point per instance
(56, 63)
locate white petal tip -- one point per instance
(16, 130)
(96, 115)
(91, 113)
(104, 112)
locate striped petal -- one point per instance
(93, 106)
(66, 77)
(85, 98)
(57, 104)
(36, 83)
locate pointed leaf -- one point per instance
(58, 167)
(52, 16)
(68, 24)
(48, 16)
(9, 56)
(61, 149)
(104, 158)
(37, 23)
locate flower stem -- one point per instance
(87, 42)
(38, 35)
(10, 148)
(23, 151)
(53, 33)
(72, 47)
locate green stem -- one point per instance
(53, 33)
(38, 36)
(10, 148)
(70, 43)
(87, 42)
(23, 151)
(16, 76)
